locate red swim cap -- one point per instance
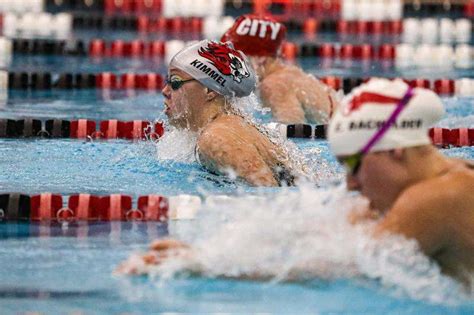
(256, 35)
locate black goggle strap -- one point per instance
(175, 82)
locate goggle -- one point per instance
(176, 83)
(353, 162)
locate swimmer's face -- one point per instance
(381, 177)
(184, 96)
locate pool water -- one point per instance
(58, 269)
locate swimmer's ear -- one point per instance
(210, 95)
(397, 153)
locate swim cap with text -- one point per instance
(256, 35)
(218, 66)
(364, 111)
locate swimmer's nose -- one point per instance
(352, 182)
(166, 91)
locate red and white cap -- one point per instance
(363, 113)
(256, 35)
(217, 66)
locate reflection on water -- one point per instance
(114, 231)
(42, 294)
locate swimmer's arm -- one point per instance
(225, 150)
(163, 250)
(282, 100)
(419, 214)
(319, 101)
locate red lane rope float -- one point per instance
(103, 80)
(445, 87)
(120, 48)
(100, 48)
(133, 6)
(154, 81)
(285, 8)
(145, 23)
(294, 8)
(446, 138)
(114, 207)
(341, 51)
(442, 137)
(138, 129)
(80, 129)
(369, 27)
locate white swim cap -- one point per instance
(218, 66)
(365, 111)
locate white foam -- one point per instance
(183, 207)
(304, 235)
(177, 145)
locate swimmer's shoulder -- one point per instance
(212, 145)
(451, 191)
(465, 163)
(422, 211)
(227, 124)
(222, 131)
(293, 79)
(276, 88)
(461, 175)
(285, 74)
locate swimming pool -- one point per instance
(54, 268)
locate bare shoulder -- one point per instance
(454, 191)
(431, 211)
(275, 82)
(224, 127)
(282, 78)
(285, 74)
(221, 133)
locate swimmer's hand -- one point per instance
(160, 252)
(357, 216)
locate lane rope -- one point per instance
(92, 208)
(80, 129)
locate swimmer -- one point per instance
(381, 135)
(293, 96)
(203, 80)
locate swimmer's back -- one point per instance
(291, 85)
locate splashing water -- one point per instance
(296, 235)
(177, 145)
(304, 235)
(247, 105)
(399, 265)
